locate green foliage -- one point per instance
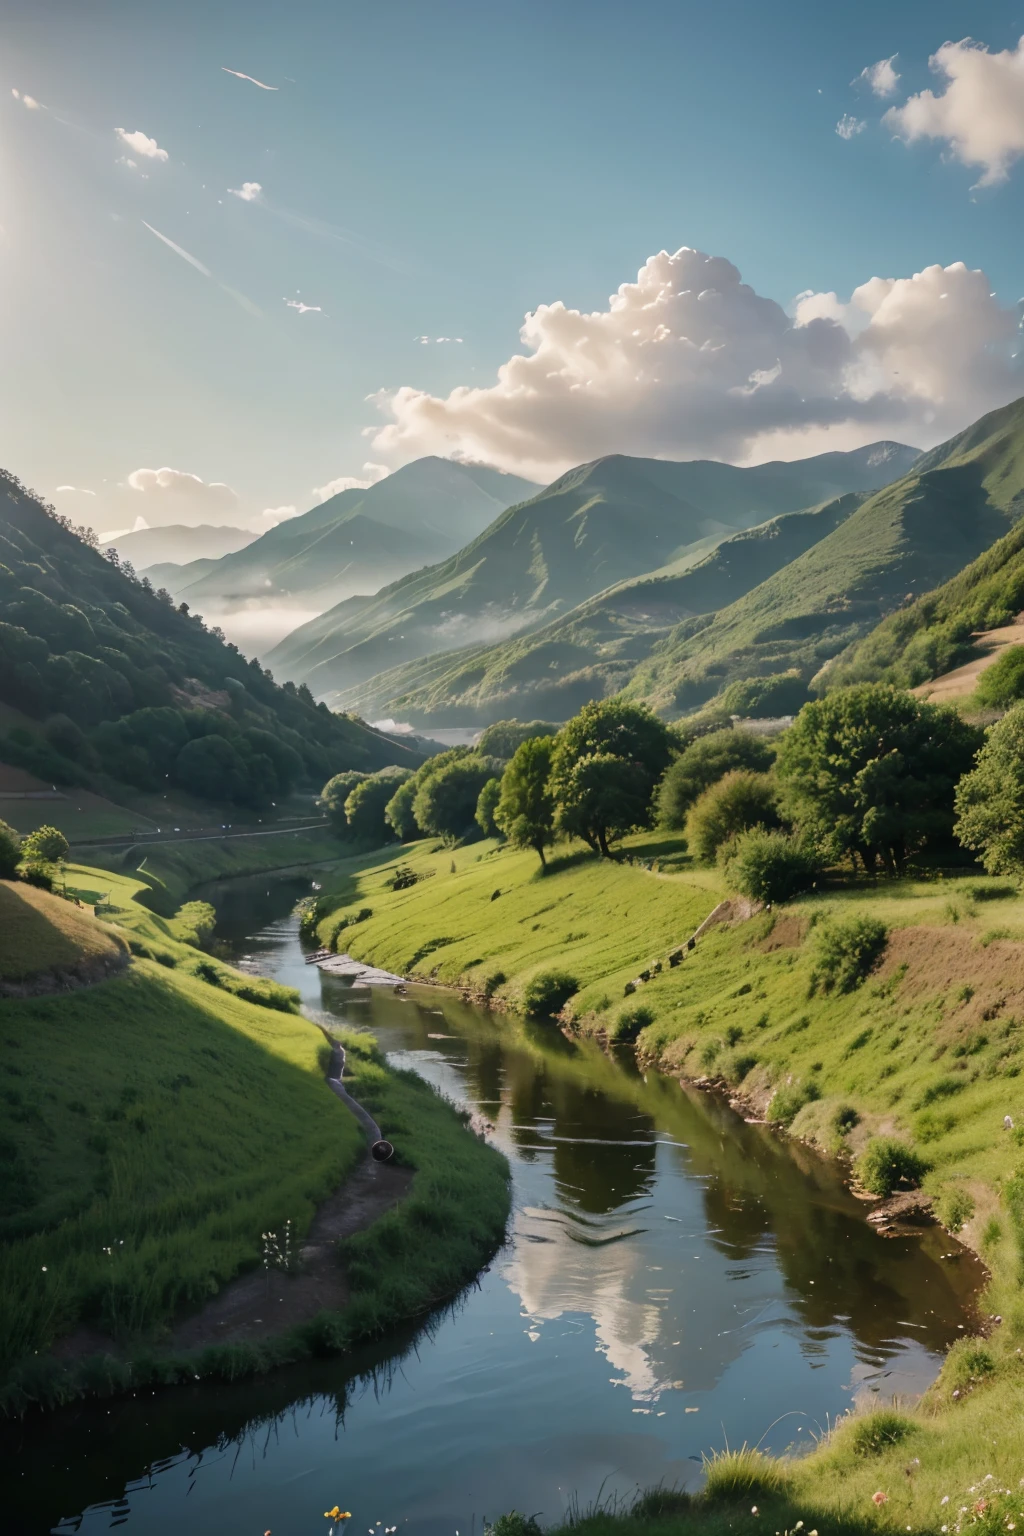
(399, 813)
(505, 737)
(631, 1020)
(874, 1433)
(702, 763)
(10, 851)
(1003, 682)
(194, 923)
(768, 866)
(955, 1209)
(990, 799)
(888, 1165)
(871, 771)
(606, 763)
(742, 1474)
(763, 698)
(366, 805)
(333, 796)
(846, 952)
(486, 806)
(790, 1099)
(547, 993)
(526, 806)
(514, 1524)
(46, 845)
(446, 799)
(738, 801)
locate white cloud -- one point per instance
(425, 341)
(882, 78)
(180, 250)
(26, 101)
(304, 309)
(371, 474)
(980, 114)
(77, 490)
(178, 485)
(126, 160)
(689, 361)
(275, 515)
(252, 81)
(848, 127)
(140, 144)
(249, 191)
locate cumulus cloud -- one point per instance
(249, 191)
(979, 114)
(848, 126)
(177, 485)
(275, 515)
(882, 78)
(371, 474)
(141, 144)
(689, 361)
(26, 101)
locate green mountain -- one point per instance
(112, 685)
(593, 650)
(904, 541)
(602, 523)
(348, 544)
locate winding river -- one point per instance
(675, 1279)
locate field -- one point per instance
(44, 935)
(928, 1047)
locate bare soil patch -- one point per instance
(989, 644)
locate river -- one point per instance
(675, 1280)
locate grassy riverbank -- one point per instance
(928, 1048)
(157, 1123)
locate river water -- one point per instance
(675, 1280)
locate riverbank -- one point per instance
(158, 1124)
(927, 1048)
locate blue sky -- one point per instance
(433, 170)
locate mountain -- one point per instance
(178, 543)
(600, 524)
(117, 687)
(175, 578)
(593, 650)
(348, 544)
(900, 544)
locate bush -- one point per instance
(764, 698)
(334, 794)
(967, 1365)
(889, 1165)
(847, 952)
(702, 764)
(740, 800)
(547, 993)
(38, 872)
(768, 866)
(631, 1021)
(956, 1209)
(46, 845)
(876, 1432)
(1003, 682)
(787, 1102)
(10, 851)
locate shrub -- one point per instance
(788, 1101)
(45, 845)
(956, 1209)
(844, 1118)
(967, 1365)
(738, 801)
(768, 866)
(876, 1432)
(547, 993)
(1003, 682)
(514, 1524)
(888, 1165)
(631, 1021)
(764, 698)
(847, 952)
(36, 872)
(702, 764)
(10, 851)
(932, 1126)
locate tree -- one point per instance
(10, 851)
(990, 799)
(702, 764)
(737, 802)
(584, 781)
(365, 806)
(288, 765)
(761, 698)
(399, 814)
(1003, 682)
(767, 866)
(526, 806)
(870, 771)
(486, 805)
(46, 845)
(504, 737)
(445, 803)
(334, 794)
(210, 767)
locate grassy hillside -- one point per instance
(593, 650)
(594, 527)
(115, 683)
(904, 541)
(48, 938)
(347, 544)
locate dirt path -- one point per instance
(990, 645)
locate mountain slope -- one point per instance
(126, 687)
(593, 650)
(348, 543)
(905, 540)
(601, 523)
(179, 542)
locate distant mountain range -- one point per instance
(596, 527)
(355, 542)
(178, 543)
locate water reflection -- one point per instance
(672, 1272)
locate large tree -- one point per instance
(870, 771)
(526, 806)
(367, 803)
(606, 764)
(990, 799)
(445, 803)
(334, 795)
(703, 763)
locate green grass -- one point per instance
(46, 935)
